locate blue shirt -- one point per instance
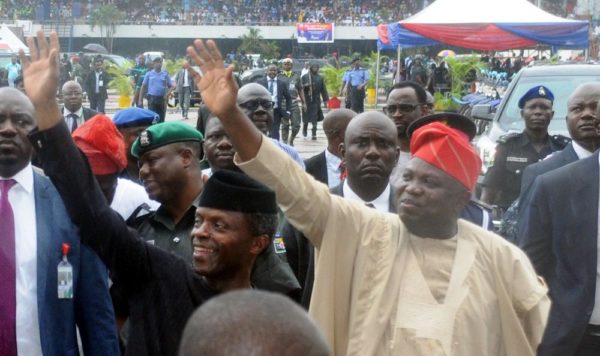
(157, 82)
(358, 76)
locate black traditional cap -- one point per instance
(453, 120)
(157, 59)
(355, 59)
(536, 92)
(233, 191)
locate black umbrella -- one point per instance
(95, 47)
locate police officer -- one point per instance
(515, 151)
(356, 82)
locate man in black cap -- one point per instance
(235, 223)
(156, 87)
(516, 151)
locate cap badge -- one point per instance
(542, 92)
(145, 138)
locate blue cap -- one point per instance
(536, 92)
(135, 117)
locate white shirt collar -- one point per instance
(24, 178)
(580, 151)
(332, 159)
(381, 203)
(79, 112)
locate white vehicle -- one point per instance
(154, 54)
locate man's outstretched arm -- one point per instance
(100, 228)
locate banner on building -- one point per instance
(309, 32)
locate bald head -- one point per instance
(15, 96)
(334, 126)
(583, 116)
(251, 322)
(252, 91)
(369, 118)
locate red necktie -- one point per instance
(343, 173)
(8, 298)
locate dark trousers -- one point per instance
(312, 115)
(97, 102)
(274, 129)
(357, 99)
(157, 104)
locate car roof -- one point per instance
(566, 69)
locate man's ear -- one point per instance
(187, 156)
(342, 149)
(259, 244)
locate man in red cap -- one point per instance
(102, 143)
(420, 282)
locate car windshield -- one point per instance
(561, 87)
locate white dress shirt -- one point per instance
(333, 169)
(98, 82)
(381, 203)
(128, 196)
(273, 84)
(580, 151)
(22, 200)
(69, 119)
(186, 82)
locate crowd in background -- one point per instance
(242, 12)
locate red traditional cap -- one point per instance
(103, 145)
(449, 150)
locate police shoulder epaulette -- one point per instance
(140, 213)
(509, 136)
(560, 140)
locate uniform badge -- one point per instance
(542, 92)
(279, 245)
(145, 138)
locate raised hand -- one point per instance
(40, 73)
(216, 84)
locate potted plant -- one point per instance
(121, 82)
(333, 82)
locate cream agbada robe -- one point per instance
(370, 297)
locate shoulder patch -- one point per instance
(279, 245)
(509, 136)
(560, 140)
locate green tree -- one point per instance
(106, 17)
(253, 42)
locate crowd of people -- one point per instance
(243, 12)
(155, 251)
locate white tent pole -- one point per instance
(377, 78)
(399, 50)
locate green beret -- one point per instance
(162, 134)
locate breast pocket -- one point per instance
(516, 165)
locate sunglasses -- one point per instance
(405, 108)
(252, 105)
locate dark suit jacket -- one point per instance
(87, 113)
(90, 84)
(301, 253)
(282, 92)
(162, 289)
(557, 160)
(558, 228)
(316, 166)
(91, 308)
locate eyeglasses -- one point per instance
(252, 105)
(405, 108)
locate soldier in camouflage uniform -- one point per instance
(297, 94)
(516, 151)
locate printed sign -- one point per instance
(309, 32)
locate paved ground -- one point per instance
(306, 148)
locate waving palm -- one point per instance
(40, 73)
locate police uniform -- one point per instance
(514, 152)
